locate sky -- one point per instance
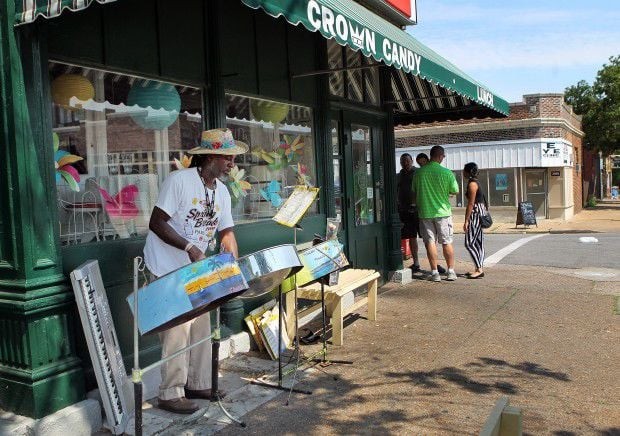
(525, 46)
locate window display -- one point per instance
(281, 155)
(116, 137)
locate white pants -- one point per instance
(192, 368)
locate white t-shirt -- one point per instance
(182, 197)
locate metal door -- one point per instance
(536, 190)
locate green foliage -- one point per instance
(599, 104)
(591, 201)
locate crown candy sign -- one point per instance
(342, 28)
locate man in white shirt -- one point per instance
(193, 207)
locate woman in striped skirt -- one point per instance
(476, 206)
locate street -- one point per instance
(555, 250)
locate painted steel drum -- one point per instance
(320, 261)
(266, 269)
(188, 292)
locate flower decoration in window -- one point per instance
(64, 170)
(301, 171)
(237, 186)
(185, 162)
(293, 148)
(276, 160)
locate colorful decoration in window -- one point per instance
(237, 186)
(276, 160)
(159, 104)
(301, 171)
(64, 170)
(268, 111)
(271, 193)
(293, 148)
(122, 205)
(185, 162)
(66, 86)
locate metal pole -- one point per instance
(280, 335)
(136, 374)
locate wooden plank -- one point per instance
(372, 301)
(337, 324)
(511, 422)
(492, 425)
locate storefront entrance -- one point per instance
(536, 191)
(358, 186)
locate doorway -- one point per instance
(356, 142)
(536, 190)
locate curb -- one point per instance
(85, 417)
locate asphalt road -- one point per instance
(556, 250)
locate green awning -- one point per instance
(352, 25)
(26, 11)
(348, 23)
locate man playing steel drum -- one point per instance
(192, 208)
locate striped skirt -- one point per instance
(474, 239)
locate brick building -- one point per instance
(535, 154)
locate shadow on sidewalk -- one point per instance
(465, 380)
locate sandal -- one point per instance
(475, 276)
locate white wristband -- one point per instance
(188, 246)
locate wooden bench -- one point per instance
(348, 281)
(504, 420)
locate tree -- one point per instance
(599, 105)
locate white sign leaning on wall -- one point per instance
(556, 154)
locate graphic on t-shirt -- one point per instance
(201, 223)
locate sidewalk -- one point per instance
(440, 356)
(604, 217)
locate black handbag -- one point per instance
(486, 220)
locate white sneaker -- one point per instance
(435, 277)
(451, 276)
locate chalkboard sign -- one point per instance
(526, 214)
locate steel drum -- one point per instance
(188, 292)
(266, 269)
(320, 261)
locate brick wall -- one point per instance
(537, 106)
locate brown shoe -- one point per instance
(178, 405)
(202, 394)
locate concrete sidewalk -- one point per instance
(441, 354)
(604, 217)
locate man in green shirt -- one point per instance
(433, 185)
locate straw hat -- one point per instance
(219, 141)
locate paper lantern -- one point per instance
(71, 85)
(160, 104)
(269, 111)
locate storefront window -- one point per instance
(502, 187)
(334, 59)
(361, 84)
(281, 154)
(116, 138)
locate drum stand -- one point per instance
(137, 372)
(279, 384)
(297, 350)
(324, 360)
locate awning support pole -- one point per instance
(335, 70)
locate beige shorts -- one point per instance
(437, 229)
